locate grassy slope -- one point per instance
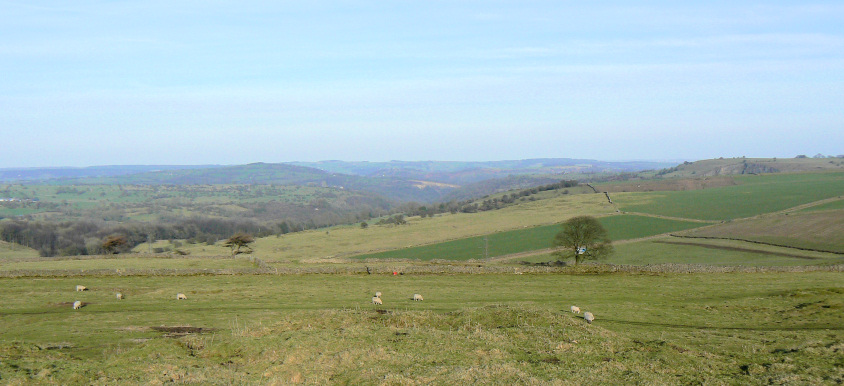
(10, 251)
(821, 230)
(324, 245)
(734, 328)
(718, 252)
(726, 166)
(753, 196)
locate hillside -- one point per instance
(734, 166)
(462, 173)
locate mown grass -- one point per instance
(753, 195)
(621, 227)
(703, 328)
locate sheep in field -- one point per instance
(181, 296)
(589, 317)
(81, 288)
(575, 309)
(378, 294)
(77, 305)
(119, 296)
(377, 301)
(417, 298)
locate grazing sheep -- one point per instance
(119, 296)
(575, 309)
(77, 305)
(80, 288)
(181, 297)
(417, 297)
(589, 317)
(378, 294)
(377, 301)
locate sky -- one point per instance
(169, 82)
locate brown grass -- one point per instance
(822, 230)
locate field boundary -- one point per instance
(758, 242)
(438, 267)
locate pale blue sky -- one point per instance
(219, 82)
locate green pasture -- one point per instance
(742, 328)
(754, 195)
(619, 227)
(716, 252)
(834, 205)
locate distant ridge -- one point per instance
(49, 173)
(421, 181)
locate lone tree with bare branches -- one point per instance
(583, 238)
(238, 241)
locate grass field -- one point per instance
(752, 196)
(820, 230)
(666, 329)
(834, 205)
(621, 227)
(715, 252)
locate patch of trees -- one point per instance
(507, 199)
(473, 206)
(73, 238)
(397, 219)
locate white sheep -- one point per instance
(575, 309)
(80, 288)
(589, 317)
(377, 301)
(417, 297)
(181, 296)
(119, 296)
(77, 305)
(378, 294)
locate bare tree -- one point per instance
(583, 238)
(238, 241)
